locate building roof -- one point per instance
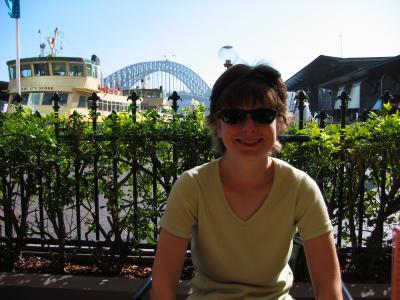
(325, 68)
(388, 66)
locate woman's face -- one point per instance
(248, 139)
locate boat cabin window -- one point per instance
(91, 70)
(96, 72)
(26, 70)
(35, 98)
(89, 104)
(12, 73)
(99, 104)
(75, 70)
(103, 105)
(48, 98)
(41, 69)
(24, 97)
(59, 69)
(82, 101)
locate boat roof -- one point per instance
(52, 58)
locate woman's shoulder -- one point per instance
(290, 172)
(284, 166)
(193, 180)
(299, 178)
(203, 170)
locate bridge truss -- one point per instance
(153, 74)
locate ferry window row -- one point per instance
(36, 98)
(103, 105)
(38, 69)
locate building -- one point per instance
(3, 96)
(364, 80)
(149, 98)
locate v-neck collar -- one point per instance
(264, 205)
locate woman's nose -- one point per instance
(248, 123)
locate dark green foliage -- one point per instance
(369, 154)
(137, 163)
(48, 185)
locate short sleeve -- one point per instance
(181, 211)
(312, 219)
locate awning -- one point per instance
(378, 104)
(355, 95)
(291, 101)
(354, 103)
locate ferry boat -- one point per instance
(73, 78)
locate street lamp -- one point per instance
(228, 55)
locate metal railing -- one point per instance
(107, 190)
(77, 202)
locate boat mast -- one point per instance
(52, 42)
(41, 45)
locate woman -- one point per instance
(242, 210)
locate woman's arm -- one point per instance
(323, 266)
(168, 263)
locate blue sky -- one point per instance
(287, 33)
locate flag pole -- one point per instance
(18, 66)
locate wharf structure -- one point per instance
(364, 79)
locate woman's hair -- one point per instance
(244, 84)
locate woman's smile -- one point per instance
(249, 141)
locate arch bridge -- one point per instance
(170, 75)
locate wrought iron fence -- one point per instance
(103, 187)
(103, 191)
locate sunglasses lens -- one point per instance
(263, 115)
(233, 116)
(259, 116)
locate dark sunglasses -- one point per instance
(237, 116)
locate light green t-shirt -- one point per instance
(236, 259)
